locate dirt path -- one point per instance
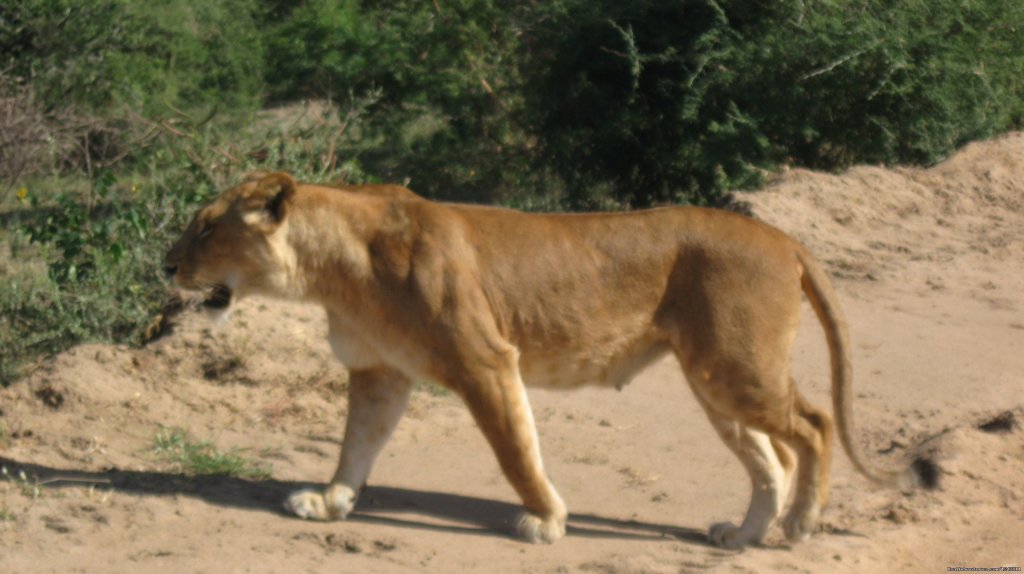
(930, 268)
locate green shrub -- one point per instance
(99, 279)
(316, 49)
(630, 101)
(193, 53)
(63, 46)
(886, 81)
(443, 76)
(138, 54)
(679, 101)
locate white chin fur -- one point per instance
(218, 315)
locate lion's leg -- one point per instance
(769, 470)
(791, 423)
(377, 399)
(788, 461)
(501, 409)
(810, 436)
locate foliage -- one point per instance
(25, 133)
(195, 53)
(314, 50)
(151, 55)
(594, 103)
(605, 104)
(443, 74)
(668, 101)
(63, 46)
(888, 82)
(99, 281)
(625, 101)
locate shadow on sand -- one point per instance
(400, 507)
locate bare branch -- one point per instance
(835, 64)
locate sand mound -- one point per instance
(872, 222)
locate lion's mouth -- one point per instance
(218, 298)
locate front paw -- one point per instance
(333, 504)
(308, 504)
(537, 530)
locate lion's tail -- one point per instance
(818, 288)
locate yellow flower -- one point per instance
(22, 194)
(135, 189)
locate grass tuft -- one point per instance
(193, 458)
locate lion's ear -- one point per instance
(278, 189)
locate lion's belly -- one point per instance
(539, 368)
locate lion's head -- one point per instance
(235, 245)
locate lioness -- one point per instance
(483, 300)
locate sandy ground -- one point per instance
(929, 266)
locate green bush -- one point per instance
(100, 279)
(626, 105)
(443, 79)
(142, 55)
(592, 103)
(605, 104)
(679, 101)
(316, 48)
(886, 81)
(64, 47)
(192, 53)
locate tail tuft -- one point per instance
(927, 472)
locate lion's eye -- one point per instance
(205, 232)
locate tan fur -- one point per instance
(482, 300)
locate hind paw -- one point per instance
(800, 525)
(728, 535)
